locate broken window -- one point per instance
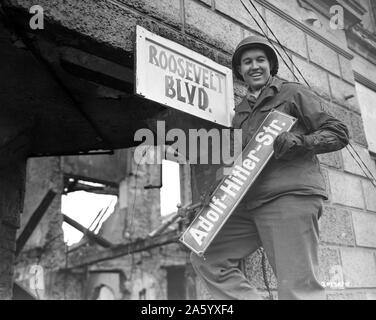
(170, 191)
(87, 202)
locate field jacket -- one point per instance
(300, 175)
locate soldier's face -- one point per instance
(255, 68)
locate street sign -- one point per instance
(234, 186)
(173, 75)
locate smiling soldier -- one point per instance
(280, 212)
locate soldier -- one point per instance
(281, 210)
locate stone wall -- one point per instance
(347, 254)
(45, 249)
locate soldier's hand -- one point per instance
(188, 213)
(205, 198)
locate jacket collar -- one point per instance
(273, 88)
(276, 84)
(243, 106)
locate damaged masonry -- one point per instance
(81, 219)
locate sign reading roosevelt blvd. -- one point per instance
(233, 187)
(178, 77)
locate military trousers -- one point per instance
(287, 229)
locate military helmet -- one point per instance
(255, 42)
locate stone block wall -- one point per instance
(347, 238)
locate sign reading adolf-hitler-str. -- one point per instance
(234, 186)
(178, 77)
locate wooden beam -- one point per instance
(165, 225)
(97, 69)
(111, 184)
(34, 220)
(126, 249)
(98, 239)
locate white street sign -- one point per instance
(178, 77)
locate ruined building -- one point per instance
(68, 116)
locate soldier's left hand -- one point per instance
(286, 145)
